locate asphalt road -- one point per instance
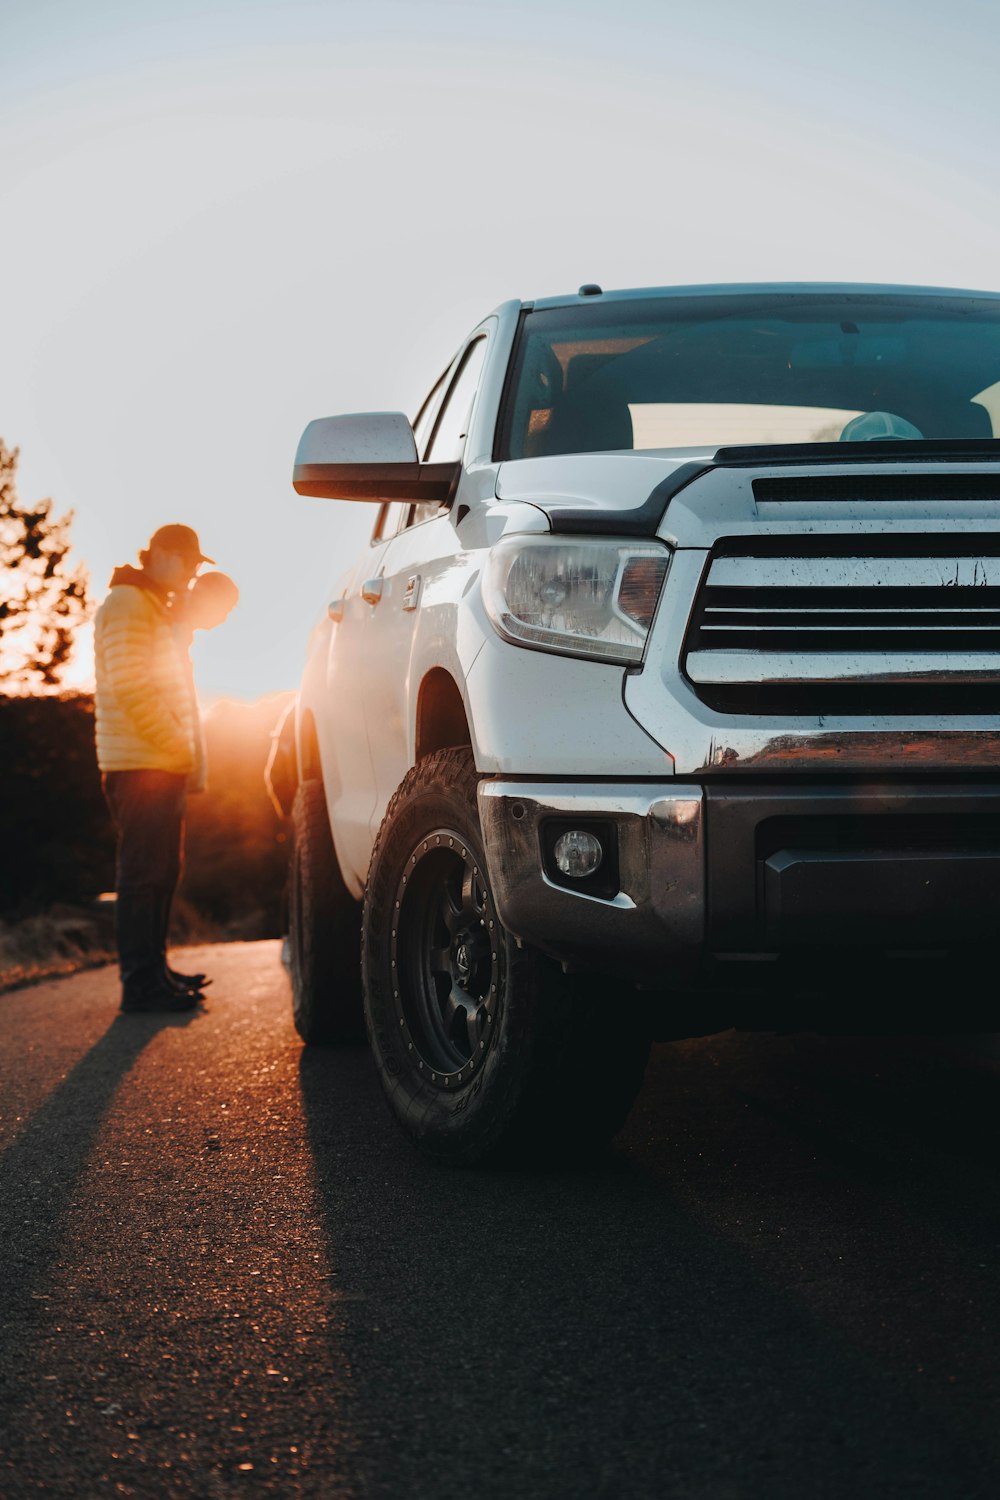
(223, 1272)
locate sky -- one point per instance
(221, 220)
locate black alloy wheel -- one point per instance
(444, 953)
(486, 1051)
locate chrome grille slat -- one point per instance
(854, 572)
(743, 667)
(908, 629)
(843, 609)
(783, 625)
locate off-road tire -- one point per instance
(324, 922)
(532, 1065)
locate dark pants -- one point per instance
(148, 812)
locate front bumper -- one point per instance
(719, 881)
(659, 909)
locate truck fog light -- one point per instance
(577, 853)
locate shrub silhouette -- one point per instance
(236, 845)
(58, 840)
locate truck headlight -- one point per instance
(591, 598)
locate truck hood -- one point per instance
(592, 492)
(629, 492)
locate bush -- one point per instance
(236, 856)
(58, 843)
(58, 839)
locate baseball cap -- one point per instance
(180, 540)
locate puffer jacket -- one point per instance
(146, 713)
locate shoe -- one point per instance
(158, 997)
(183, 982)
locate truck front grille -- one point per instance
(883, 625)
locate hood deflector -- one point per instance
(646, 519)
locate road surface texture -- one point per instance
(224, 1272)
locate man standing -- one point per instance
(148, 743)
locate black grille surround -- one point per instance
(848, 625)
(827, 489)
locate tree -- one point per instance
(42, 603)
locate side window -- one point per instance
(391, 519)
(424, 420)
(453, 422)
(425, 510)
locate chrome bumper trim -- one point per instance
(660, 908)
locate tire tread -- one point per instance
(323, 929)
(570, 1073)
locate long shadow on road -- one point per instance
(39, 1174)
(619, 1331)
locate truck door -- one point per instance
(415, 560)
(351, 658)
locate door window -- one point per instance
(452, 426)
(391, 519)
(424, 420)
(425, 510)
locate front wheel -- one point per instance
(486, 1051)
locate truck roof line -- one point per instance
(761, 288)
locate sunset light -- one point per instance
(500, 728)
(217, 219)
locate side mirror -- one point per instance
(368, 456)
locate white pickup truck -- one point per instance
(666, 695)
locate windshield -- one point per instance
(766, 368)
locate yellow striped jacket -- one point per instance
(146, 712)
